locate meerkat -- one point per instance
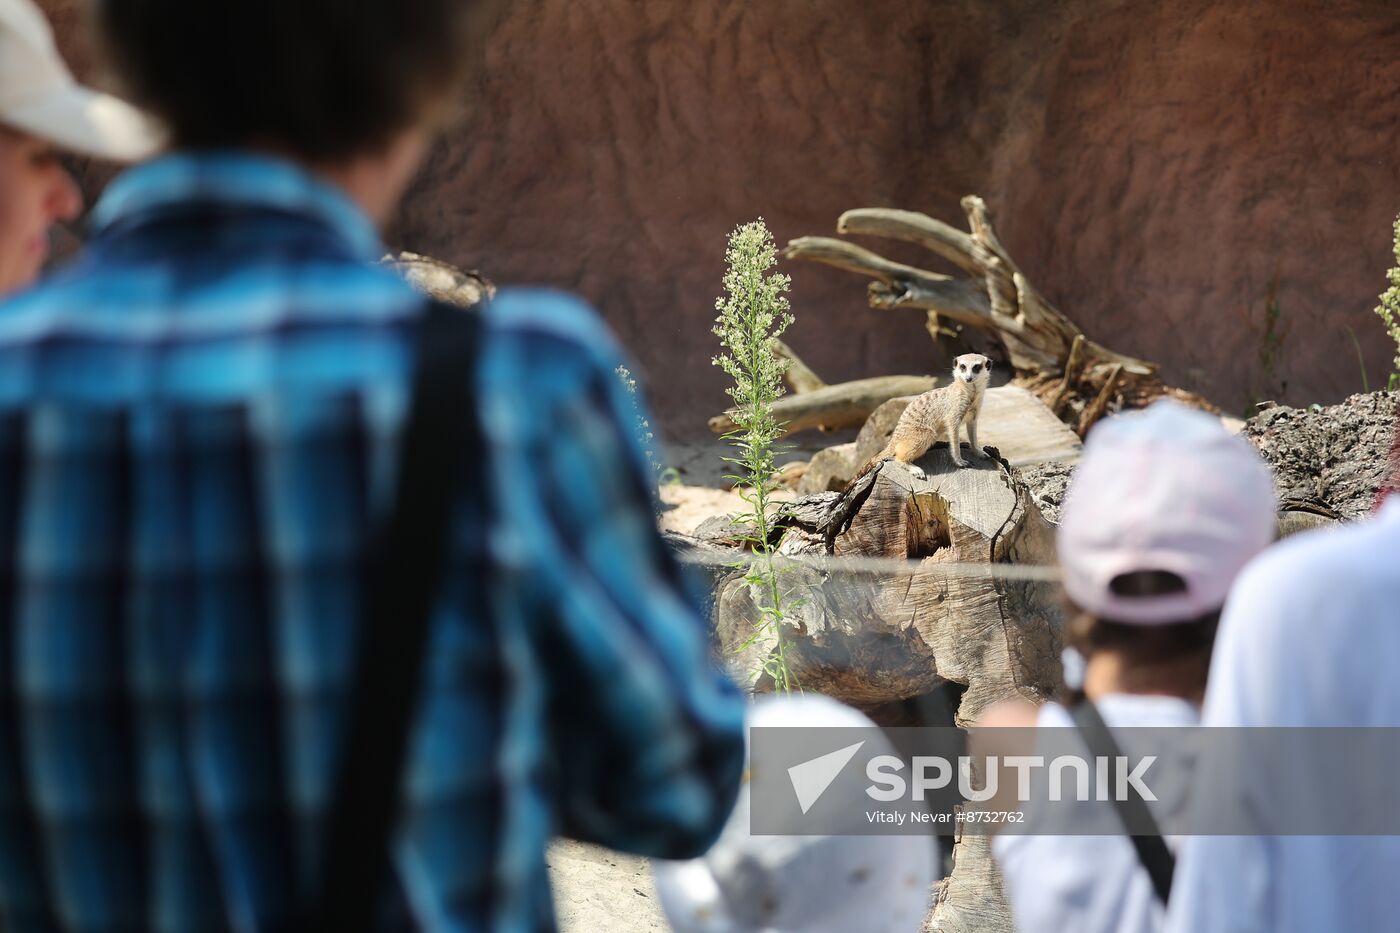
(938, 415)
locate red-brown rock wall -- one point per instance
(1153, 167)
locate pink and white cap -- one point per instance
(1166, 488)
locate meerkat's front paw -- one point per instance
(981, 452)
(959, 461)
(918, 472)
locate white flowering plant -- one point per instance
(753, 311)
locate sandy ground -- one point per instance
(600, 891)
(703, 492)
(687, 506)
(700, 460)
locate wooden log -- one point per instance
(871, 637)
(830, 469)
(970, 899)
(1076, 352)
(791, 474)
(947, 241)
(1099, 405)
(874, 638)
(903, 286)
(845, 405)
(798, 376)
(996, 297)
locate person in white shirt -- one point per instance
(1164, 510)
(1310, 638)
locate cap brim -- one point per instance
(90, 123)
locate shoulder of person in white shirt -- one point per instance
(1310, 633)
(1308, 638)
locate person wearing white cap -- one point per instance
(800, 884)
(259, 675)
(1308, 640)
(1165, 509)
(44, 110)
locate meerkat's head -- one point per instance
(972, 368)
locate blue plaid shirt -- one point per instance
(198, 432)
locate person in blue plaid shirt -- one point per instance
(199, 425)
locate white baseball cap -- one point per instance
(39, 95)
(1169, 489)
(800, 884)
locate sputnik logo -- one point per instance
(811, 778)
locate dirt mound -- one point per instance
(1335, 455)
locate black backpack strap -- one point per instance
(440, 429)
(1152, 849)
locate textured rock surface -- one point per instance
(1048, 483)
(1152, 166)
(1334, 455)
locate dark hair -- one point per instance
(1144, 645)
(1173, 654)
(320, 79)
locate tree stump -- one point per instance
(872, 635)
(970, 898)
(1012, 420)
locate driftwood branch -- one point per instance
(845, 405)
(947, 241)
(899, 286)
(995, 296)
(1076, 352)
(799, 376)
(1099, 405)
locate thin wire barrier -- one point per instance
(877, 566)
(876, 630)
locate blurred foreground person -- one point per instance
(1309, 639)
(202, 425)
(1164, 510)
(42, 111)
(801, 884)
